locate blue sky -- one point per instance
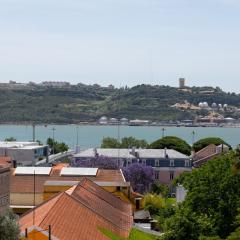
(121, 42)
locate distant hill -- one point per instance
(75, 103)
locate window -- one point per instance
(171, 163)
(157, 163)
(171, 175)
(187, 163)
(144, 161)
(156, 175)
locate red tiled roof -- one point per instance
(205, 152)
(102, 194)
(5, 161)
(71, 217)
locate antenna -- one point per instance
(34, 193)
(33, 128)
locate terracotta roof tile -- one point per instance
(5, 161)
(71, 218)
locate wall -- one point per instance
(4, 188)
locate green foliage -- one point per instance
(172, 142)
(153, 202)
(133, 142)
(202, 143)
(56, 147)
(125, 142)
(211, 205)
(110, 143)
(161, 189)
(10, 139)
(9, 229)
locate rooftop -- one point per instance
(20, 145)
(79, 213)
(127, 153)
(24, 183)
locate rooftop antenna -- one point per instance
(53, 129)
(33, 128)
(34, 196)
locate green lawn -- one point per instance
(134, 235)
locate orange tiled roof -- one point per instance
(25, 184)
(5, 161)
(71, 217)
(205, 152)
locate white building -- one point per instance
(24, 153)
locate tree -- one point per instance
(56, 147)
(153, 203)
(10, 139)
(101, 162)
(140, 176)
(133, 142)
(110, 143)
(9, 229)
(202, 143)
(125, 142)
(212, 203)
(160, 189)
(172, 142)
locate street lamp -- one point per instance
(163, 131)
(53, 129)
(193, 137)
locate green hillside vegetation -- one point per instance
(89, 102)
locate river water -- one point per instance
(91, 135)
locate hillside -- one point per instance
(81, 102)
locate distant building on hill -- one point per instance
(181, 82)
(56, 84)
(103, 120)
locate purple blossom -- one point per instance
(101, 162)
(140, 176)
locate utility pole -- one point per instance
(163, 132)
(53, 129)
(193, 137)
(33, 128)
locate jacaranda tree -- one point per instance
(140, 176)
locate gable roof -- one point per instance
(79, 213)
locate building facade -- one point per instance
(167, 163)
(4, 187)
(24, 153)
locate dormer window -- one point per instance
(187, 163)
(171, 163)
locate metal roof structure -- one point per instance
(68, 171)
(33, 170)
(128, 153)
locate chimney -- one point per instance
(14, 163)
(95, 152)
(133, 151)
(165, 153)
